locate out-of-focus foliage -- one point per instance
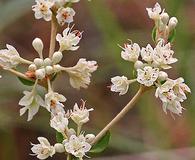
(106, 23)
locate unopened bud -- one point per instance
(57, 57)
(165, 18)
(162, 76)
(40, 73)
(47, 62)
(32, 67)
(57, 68)
(38, 46)
(172, 23)
(59, 148)
(38, 62)
(49, 70)
(138, 64)
(89, 138)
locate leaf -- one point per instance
(154, 34)
(172, 36)
(59, 137)
(102, 144)
(26, 82)
(54, 76)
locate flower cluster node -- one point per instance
(151, 63)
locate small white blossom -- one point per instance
(65, 15)
(120, 84)
(163, 55)
(9, 58)
(154, 13)
(172, 23)
(80, 74)
(53, 102)
(172, 93)
(38, 46)
(131, 52)
(42, 9)
(89, 138)
(147, 76)
(32, 102)
(59, 122)
(69, 40)
(147, 53)
(43, 150)
(80, 115)
(77, 146)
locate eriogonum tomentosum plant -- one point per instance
(74, 142)
(150, 66)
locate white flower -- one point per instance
(77, 146)
(154, 13)
(59, 148)
(53, 102)
(131, 52)
(32, 102)
(180, 89)
(172, 93)
(120, 84)
(147, 76)
(43, 150)
(163, 55)
(9, 58)
(147, 53)
(65, 15)
(80, 74)
(69, 40)
(80, 115)
(59, 122)
(89, 138)
(42, 9)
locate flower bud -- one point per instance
(49, 70)
(40, 73)
(32, 67)
(162, 76)
(165, 18)
(38, 46)
(57, 68)
(57, 57)
(172, 23)
(138, 64)
(47, 62)
(89, 138)
(59, 148)
(38, 62)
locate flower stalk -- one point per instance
(125, 110)
(54, 29)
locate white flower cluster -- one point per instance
(163, 24)
(74, 141)
(151, 65)
(45, 9)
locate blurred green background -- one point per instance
(105, 23)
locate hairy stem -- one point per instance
(121, 114)
(69, 157)
(54, 28)
(19, 74)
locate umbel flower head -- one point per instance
(151, 63)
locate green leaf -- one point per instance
(102, 144)
(59, 137)
(54, 76)
(26, 82)
(154, 34)
(172, 36)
